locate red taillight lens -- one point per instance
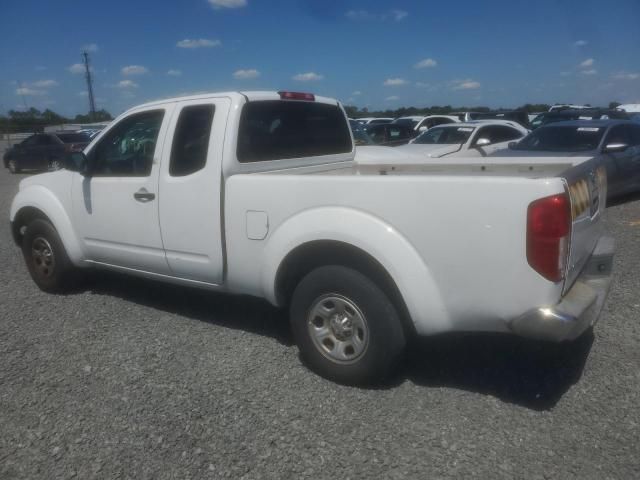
(297, 96)
(548, 231)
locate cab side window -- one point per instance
(191, 140)
(127, 150)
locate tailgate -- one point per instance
(587, 187)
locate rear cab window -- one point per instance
(281, 129)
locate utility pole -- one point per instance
(87, 74)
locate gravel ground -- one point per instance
(128, 379)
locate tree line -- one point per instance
(355, 112)
(34, 120)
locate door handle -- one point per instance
(143, 195)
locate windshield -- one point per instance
(562, 139)
(73, 137)
(445, 135)
(409, 122)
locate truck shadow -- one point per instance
(527, 373)
(240, 312)
(628, 198)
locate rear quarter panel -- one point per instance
(455, 246)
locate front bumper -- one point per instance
(579, 308)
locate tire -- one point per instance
(345, 326)
(13, 166)
(46, 258)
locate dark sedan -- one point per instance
(615, 142)
(44, 151)
(390, 134)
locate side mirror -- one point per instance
(615, 147)
(78, 162)
(512, 145)
(483, 142)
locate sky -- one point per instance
(377, 54)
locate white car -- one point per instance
(477, 138)
(421, 123)
(373, 120)
(256, 193)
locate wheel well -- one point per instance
(24, 216)
(305, 258)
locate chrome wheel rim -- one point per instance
(42, 256)
(338, 328)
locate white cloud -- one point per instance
(134, 70)
(467, 84)
(399, 15)
(29, 92)
(626, 76)
(356, 93)
(394, 82)
(83, 93)
(367, 16)
(591, 71)
(218, 4)
(127, 84)
(45, 83)
(77, 68)
(307, 77)
(392, 98)
(174, 73)
(246, 74)
(90, 47)
(587, 63)
(198, 43)
(580, 43)
(426, 63)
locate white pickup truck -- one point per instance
(257, 193)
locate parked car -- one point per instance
(469, 139)
(579, 114)
(421, 123)
(390, 134)
(360, 135)
(568, 106)
(519, 116)
(256, 193)
(44, 151)
(373, 120)
(615, 142)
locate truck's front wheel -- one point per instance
(46, 258)
(347, 329)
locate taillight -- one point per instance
(297, 96)
(548, 232)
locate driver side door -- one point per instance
(115, 206)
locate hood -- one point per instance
(430, 150)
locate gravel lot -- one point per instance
(129, 379)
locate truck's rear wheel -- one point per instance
(46, 258)
(347, 329)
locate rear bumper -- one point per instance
(579, 308)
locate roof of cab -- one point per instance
(236, 96)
